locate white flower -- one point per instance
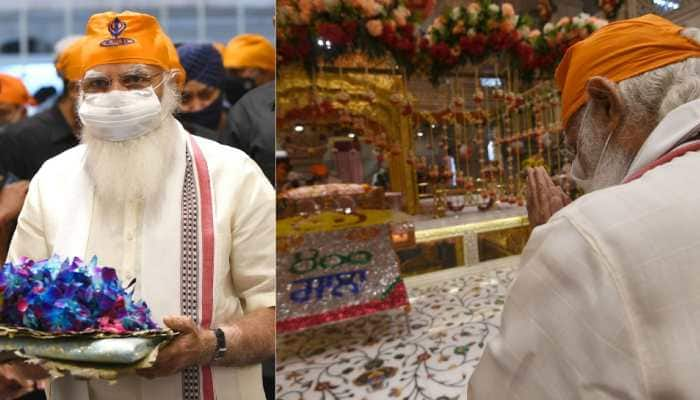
(471, 32)
(578, 22)
(548, 27)
(456, 13)
(584, 16)
(494, 9)
(514, 20)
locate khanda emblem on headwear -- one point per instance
(116, 28)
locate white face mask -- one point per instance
(119, 115)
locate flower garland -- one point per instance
(470, 34)
(69, 297)
(312, 29)
(541, 51)
(307, 29)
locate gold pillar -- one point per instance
(293, 90)
(401, 173)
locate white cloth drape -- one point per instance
(607, 304)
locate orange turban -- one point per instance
(620, 51)
(68, 62)
(128, 38)
(13, 91)
(250, 51)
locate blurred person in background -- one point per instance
(27, 144)
(249, 60)
(252, 127)
(14, 99)
(202, 100)
(139, 187)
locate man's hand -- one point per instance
(194, 346)
(11, 200)
(544, 198)
(18, 378)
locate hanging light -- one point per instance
(420, 134)
(299, 128)
(351, 135)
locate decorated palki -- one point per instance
(75, 317)
(331, 276)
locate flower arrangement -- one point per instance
(69, 297)
(470, 34)
(542, 50)
(307, 29)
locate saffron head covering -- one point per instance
(13, 91)
(69, 63)
(250, 51)
(620, 51)
(128, 38)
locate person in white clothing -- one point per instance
(190, 220)
(606, 305)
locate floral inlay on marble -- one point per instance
(428, 356)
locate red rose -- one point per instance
(440, 51)
(304, 48)
(464, 43)
(475, 46)
(334, 33)
(390, 38)
(286, 50)
(405, 44)
(525, 53)
(499, 40)
(389, 28)
(407, 30)
(350, 28)
(424, 44)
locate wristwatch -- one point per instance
(220, 351)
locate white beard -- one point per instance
(611, 166)
(611, 170)
(133, 169)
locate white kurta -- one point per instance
(62, 216)
(607, 304)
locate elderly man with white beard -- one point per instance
(606, 305)
(190, 220)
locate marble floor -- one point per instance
(428, 354)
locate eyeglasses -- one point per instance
(204, 95)
(130, 81)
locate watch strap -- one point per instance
(220, 344)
